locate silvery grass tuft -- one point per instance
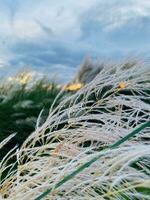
(81, 128)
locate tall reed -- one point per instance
(84, 127)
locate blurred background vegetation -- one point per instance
(21, 100)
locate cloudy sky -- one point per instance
(54, 35)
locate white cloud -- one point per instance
(64, 17)
(116, 14)
(3, 62)
(26, 29)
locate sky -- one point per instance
(54, 36)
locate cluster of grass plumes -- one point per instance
(21, 100)
(84, 149)
(89, 69)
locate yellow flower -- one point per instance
(122, 85)
(24, 77)
(74, 87)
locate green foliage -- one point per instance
(20, 106)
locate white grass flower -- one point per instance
(77, 130)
